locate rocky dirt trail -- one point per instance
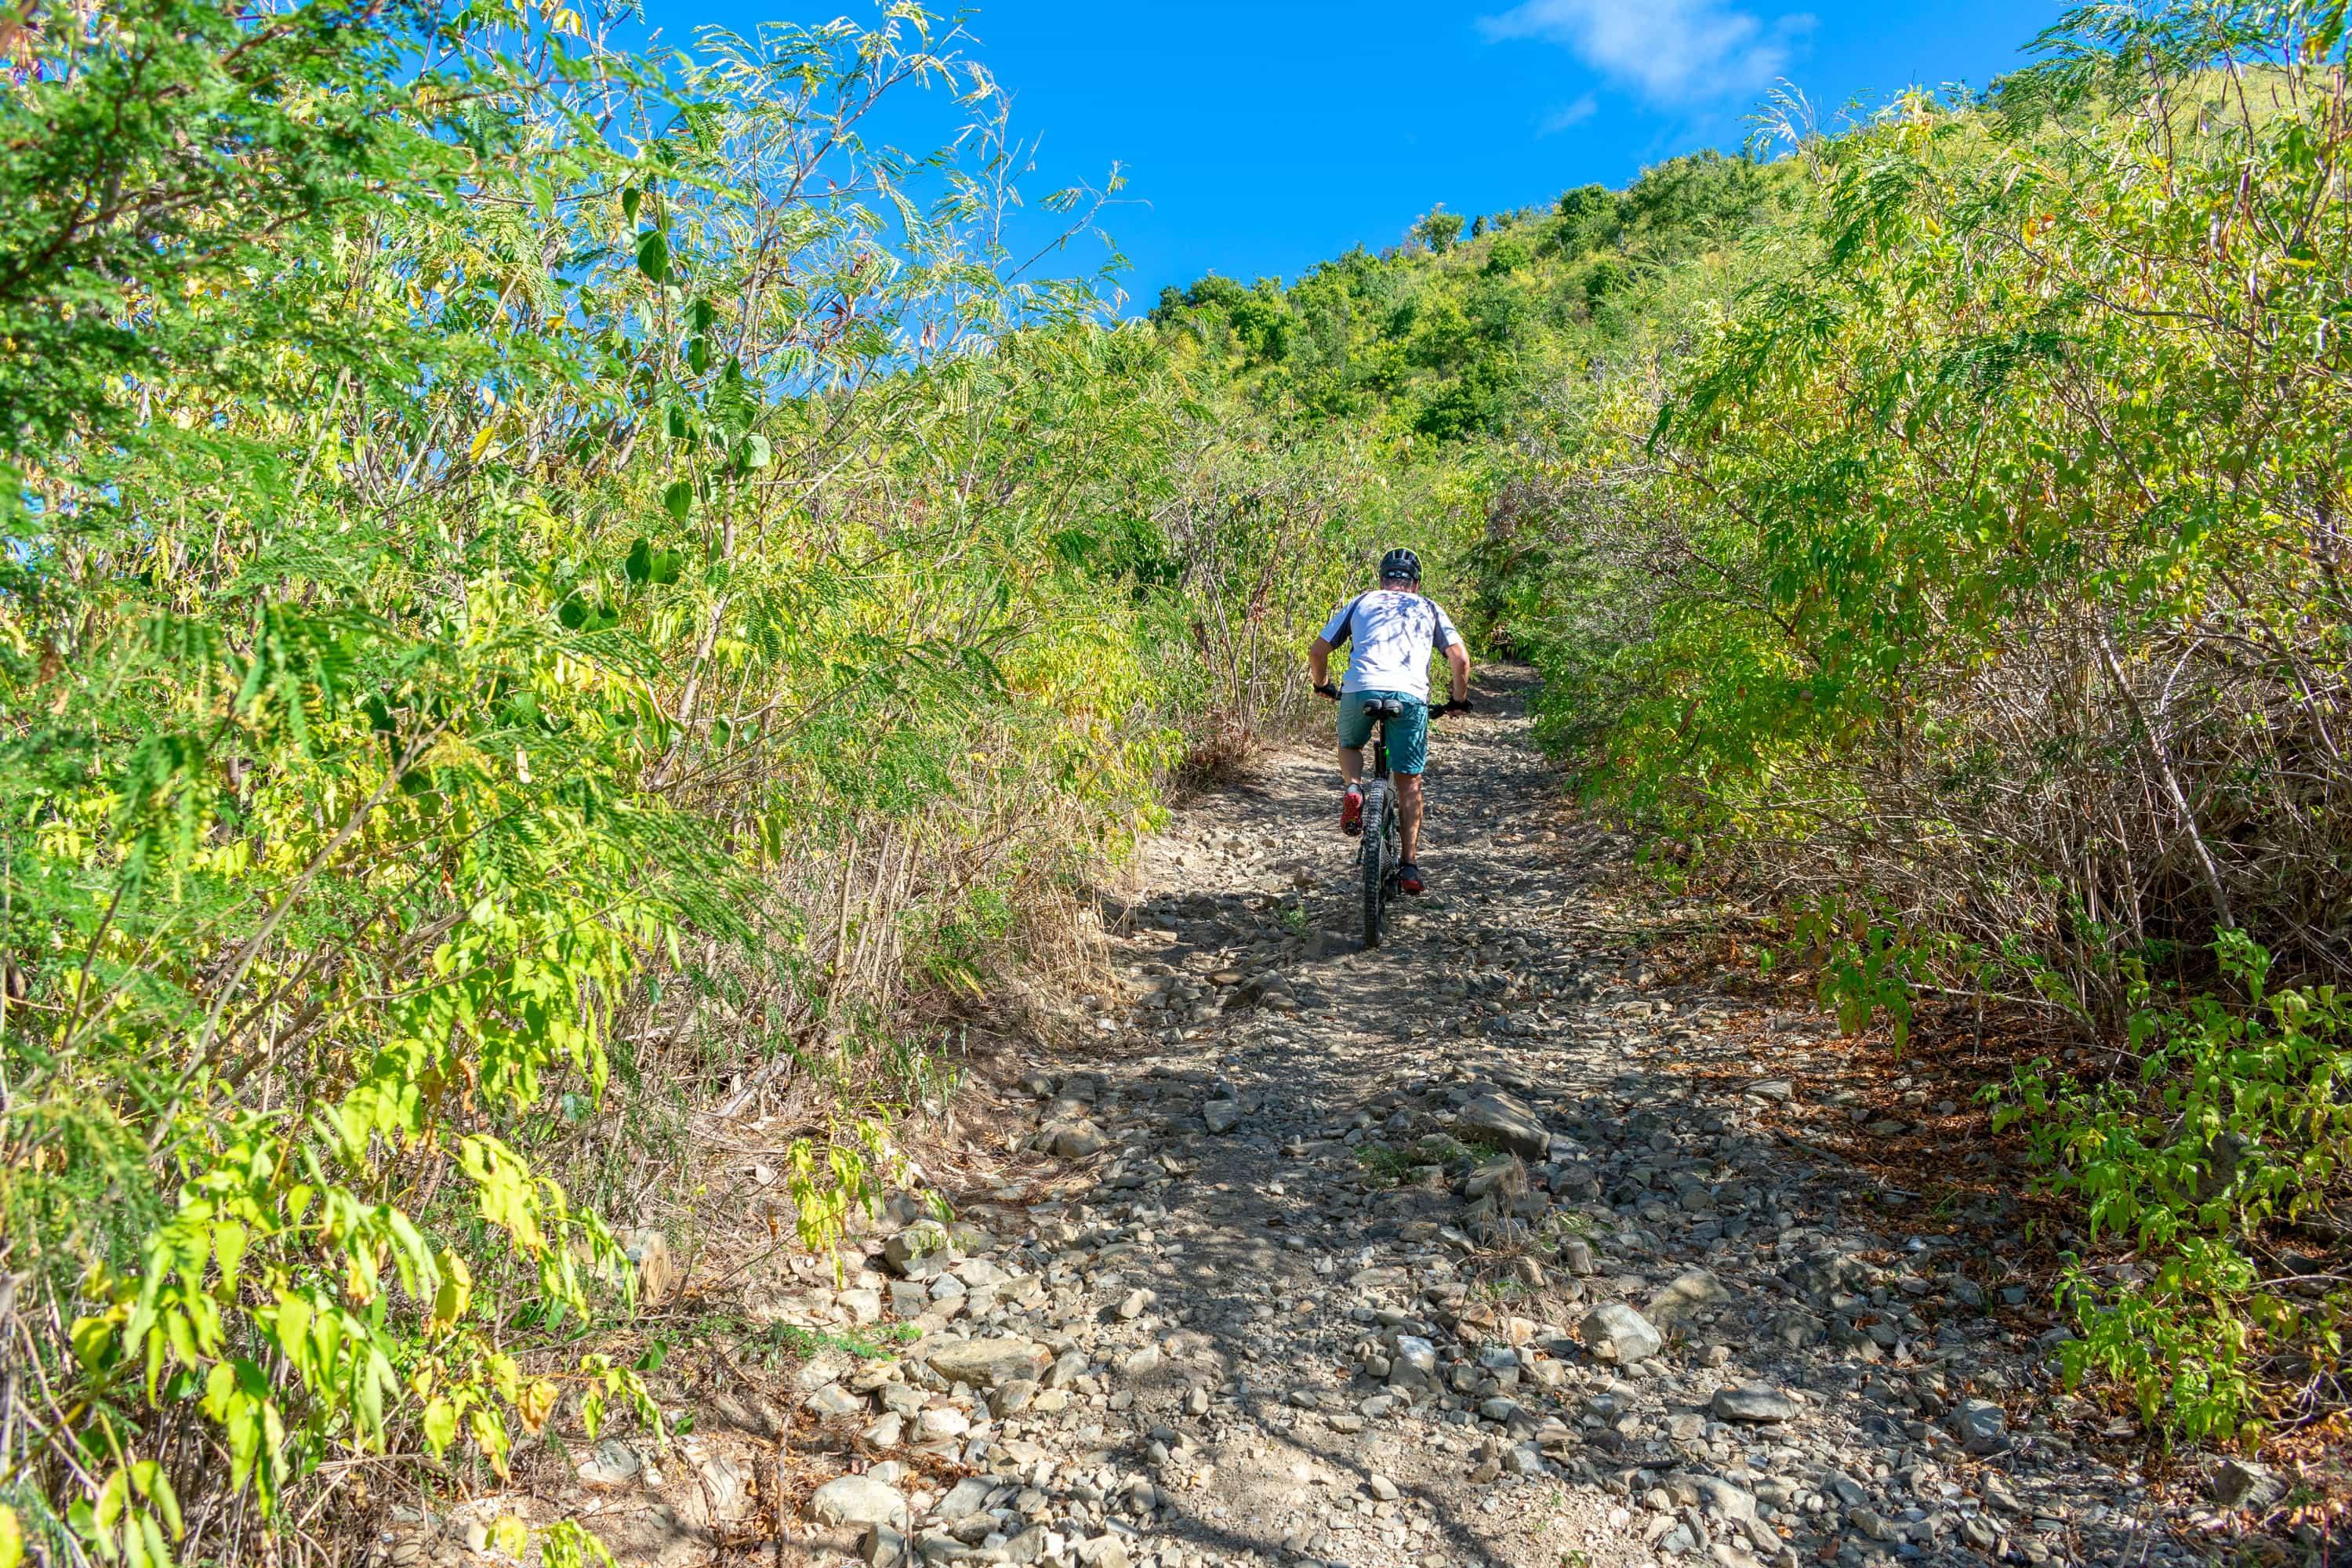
(1475, 1250)
(1488, 1247)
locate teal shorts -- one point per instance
(1408, 731)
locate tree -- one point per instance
(1439, 229)
(162, 145)
(1585, 215)
(1508, 256)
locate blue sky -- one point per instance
(1257, 138)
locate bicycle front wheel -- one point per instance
(1376, 860)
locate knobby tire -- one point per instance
(1375, 860)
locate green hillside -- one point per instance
(1467, 331)
(545, 592)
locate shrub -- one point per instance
(2231, 1137)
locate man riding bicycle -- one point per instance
(1392, 630)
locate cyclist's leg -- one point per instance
(1408, 755)
(1355, 729)
(1407, 802)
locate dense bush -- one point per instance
(537, 593)
(1979, 590)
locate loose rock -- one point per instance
(1504, 1120)
(859, 1500)
(1622, 1334)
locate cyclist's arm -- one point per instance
(1318, 663)
(1457, 660)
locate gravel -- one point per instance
(1237, 1301)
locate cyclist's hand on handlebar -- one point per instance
(1327, 689)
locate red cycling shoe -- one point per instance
(1409, 878)
(1351, 812)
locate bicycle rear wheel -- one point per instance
(1376, 857)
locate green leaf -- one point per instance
(653, 255)
(440, 1426)
(92, 1339)
(293, 1328)
(579, 615)
(631, 199)
(220, 1385)
(151, 1539)
(679, 498)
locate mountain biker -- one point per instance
(1393, 629)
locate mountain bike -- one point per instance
(1381, 852)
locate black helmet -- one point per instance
(1402, 563)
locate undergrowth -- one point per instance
(2220, 1151)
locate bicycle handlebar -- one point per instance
(1438, 710)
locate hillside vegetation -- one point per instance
(1935, 537)
(546, 589)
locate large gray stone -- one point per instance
(1078, 1139)
(834, 1400)
(1747, 1403)
(919, 1250)
(859, 1500)
(1982, 1426)
(1221, 1115)
(1505, 1120)
(2241, 1483)
(983, 1363)
(1680, 1302)
(1414, 1364)
(1622, 1334)
(1717, 1497)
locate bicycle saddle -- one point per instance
(1384, 708)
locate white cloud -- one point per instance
(1671, 51)
(1574, 114)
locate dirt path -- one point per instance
(1491, 1248)
(1305, 1302)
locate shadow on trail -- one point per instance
(1301, 1165)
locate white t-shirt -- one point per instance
(1393, 633)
